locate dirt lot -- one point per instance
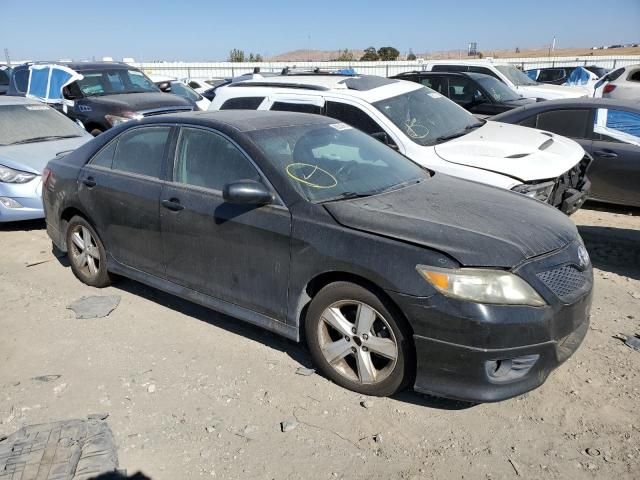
(191, 393)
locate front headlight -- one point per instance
(115, 120)
(539, 191)
(482, 286)
(9, 175)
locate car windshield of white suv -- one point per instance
(517, 77)
(20, 124)
(427, 117)
(498, 90)
(109, 82)
(336, 162)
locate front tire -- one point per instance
(358, 340)
(86, 254)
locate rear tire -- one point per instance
(95, 132)
(86, 253)
(358, 340)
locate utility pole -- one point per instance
(6, 55)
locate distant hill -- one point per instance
(327, 55)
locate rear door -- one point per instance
(236, 253)
(120, 189)
(615, 172)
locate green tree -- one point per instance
(259, 58)
(251, 58)
(411, 56)
(236, 55)
(388, 53)
(370, 55)
(345, 56)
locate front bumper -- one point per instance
(488, 353)
(26, 199)
(572, 188)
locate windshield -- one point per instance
(179, 88)
(425, 116)
(334, 162)
(25, 123)
(517, 77)
(498, 90)
(115, 81)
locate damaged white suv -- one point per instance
(430, 129)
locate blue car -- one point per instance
(31, 134)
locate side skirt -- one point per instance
(227, 308)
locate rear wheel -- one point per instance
(95, 132)
(358, 341)
(86, 253)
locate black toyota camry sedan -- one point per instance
(393, 275)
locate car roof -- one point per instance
(428, 73)
(568, 103)
(368, 87)
(242, 120)
(11, 100)
(80, 66)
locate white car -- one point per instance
(201, 85)
(511, 76)
(430, 129)
(622, 84)
(171, 85)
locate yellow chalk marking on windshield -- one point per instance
(305, 178)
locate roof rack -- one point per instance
(343, 72)
(278, 85)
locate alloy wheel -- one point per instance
(358, 342)
(84, 251)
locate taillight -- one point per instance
(608, 88)
(46, 175)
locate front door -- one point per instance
(236, 253)
(120, 189)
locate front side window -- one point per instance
(427, 117)
(206, 159)
(21, 79)
(484, 71)
(353, 116)
(438, 84)
(242, 103)
(114, 81)
(634, 76)
(551, 75)
(180, 89)
(617, 126)
(463, 91)
(517, 77)
(32, 123)
(570, 123)
(4, 78)
(332, 162)
(141, 151)
(450, 68)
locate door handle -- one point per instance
(172, 204)
(606, 154)
(89, 182)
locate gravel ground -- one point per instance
(192, 393)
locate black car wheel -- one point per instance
(358, 341)
(86, 253)
(95, 132)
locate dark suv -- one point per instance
(479, 93)
(108, 94)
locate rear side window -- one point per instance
(570, 123)
(551, 75)
(439, 84)
(353, 116)
(21, 80)
(141, 151)
(450, 68)
(206, 159)
(242, 103)
(104, 158)
(296, 107)
(4, 78)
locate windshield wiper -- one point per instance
(42, 139)
(466, 130)
(347, 196)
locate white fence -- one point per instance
(229, 69)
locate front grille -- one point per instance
(564, 281)
(162, 111)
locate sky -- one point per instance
(206, 30)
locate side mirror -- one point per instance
(247, 192)
(384, 138)
(66, 93)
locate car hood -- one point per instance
(137, 102)
(552, 92)
(33, 157)
(476, 224)
(522, 153)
